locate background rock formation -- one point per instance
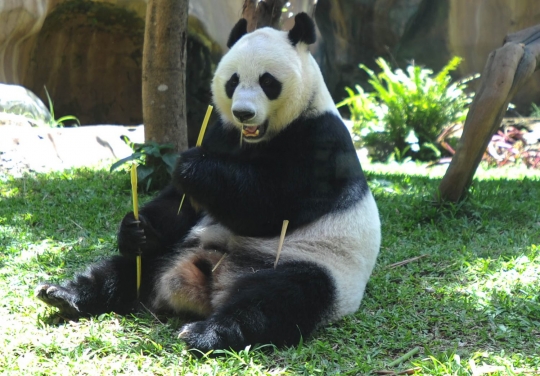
(88, 53)
(470, 29)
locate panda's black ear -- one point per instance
(237, 32)
(303, 30)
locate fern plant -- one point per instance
(406, 110)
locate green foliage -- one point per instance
(406, 111)
(471, 304)
(60, 121)
(535, 111)
(155, 163)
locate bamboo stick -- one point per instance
(136, 215)
(199, 143)
(281, 240)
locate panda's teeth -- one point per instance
(250, 130)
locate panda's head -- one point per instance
(268, 79)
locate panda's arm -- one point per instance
(243, 188)
(299, 176)
(250, 196)
(160, 226)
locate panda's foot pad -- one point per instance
(57, 296)
(206, 336)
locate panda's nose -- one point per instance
(243, 115)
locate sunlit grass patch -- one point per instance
(512, 277)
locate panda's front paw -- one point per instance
(191, 155)
(137, 236)
(188, 171)
(209, 335)
(59, 297)
(186, 162)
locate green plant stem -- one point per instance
(404, 357)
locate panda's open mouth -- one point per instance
(254, 132)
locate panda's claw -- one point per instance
(57, 296)
(184, 332)
(133, 223)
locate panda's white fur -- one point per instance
(255, 53)
(218, 264)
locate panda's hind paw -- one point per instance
(206, 336)
(57, 296)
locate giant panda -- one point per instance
(279, 151)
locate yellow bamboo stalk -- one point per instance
(199, 142)
(136, 215)
(204, 124)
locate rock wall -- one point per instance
(89, 56)
(470, 29)
(476, 28)
(428, 32)
(20, 22)
(358, 31)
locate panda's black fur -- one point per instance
(215, 259)
(306, 171)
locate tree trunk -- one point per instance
(507, 70)
(163, 73)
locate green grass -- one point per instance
(473, 301)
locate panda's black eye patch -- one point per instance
(270, 85)
(231, 85)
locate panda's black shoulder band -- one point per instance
(303, 30)
(237, 32)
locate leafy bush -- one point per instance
(155, 163)
(406, 111)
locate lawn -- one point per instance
(470, 304)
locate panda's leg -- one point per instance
(186, 284)
(276, 306)
(106, 286)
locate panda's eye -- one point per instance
(231, 85)
(270, 85)
(266, 81)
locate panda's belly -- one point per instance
(345, 244)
